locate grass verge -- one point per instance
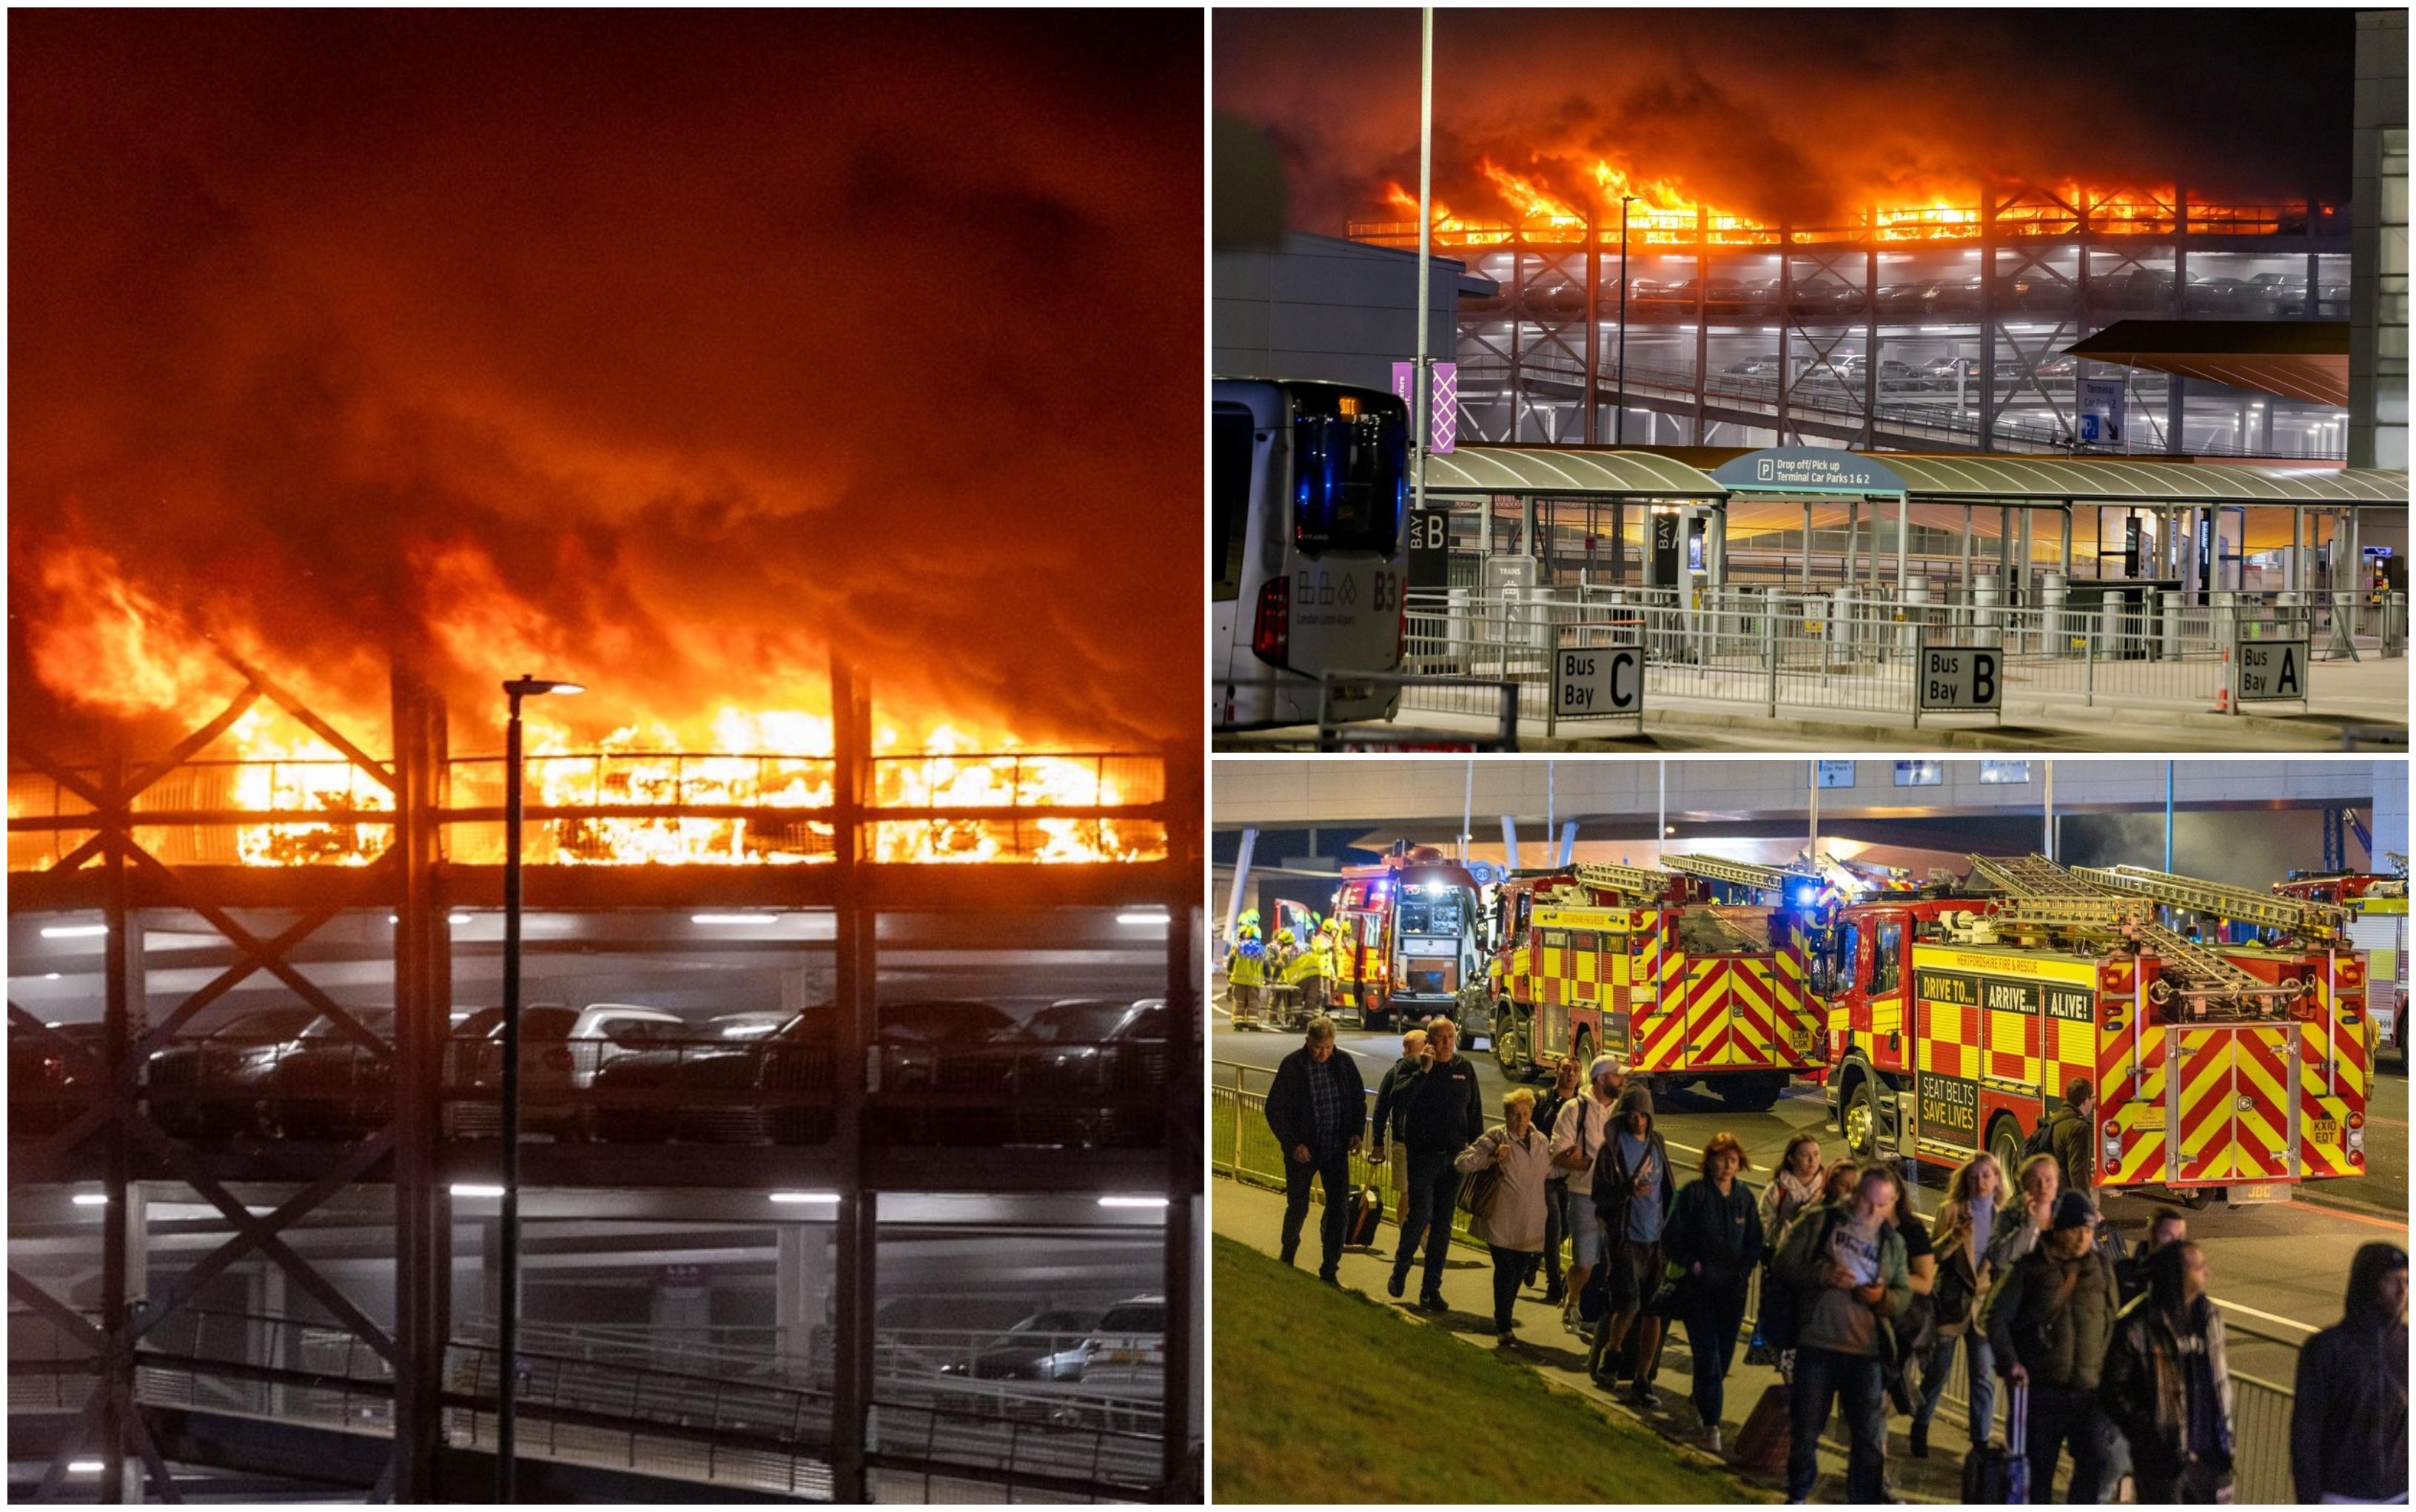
(1325, 1396)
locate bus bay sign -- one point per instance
(1959, 677)
(2272, 671)
(1592, 682)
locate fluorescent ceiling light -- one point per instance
(733, 918)
(472, 1189)
(806, 1196)
(1132, 1201)
(90, 1198)
(74, 932)
(1141, 917)
(83, 1467)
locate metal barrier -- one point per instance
(731, 1416)
(1846, 650)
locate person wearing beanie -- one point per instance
(2349, 1421)
(1633, 1191)
(2048, 1318)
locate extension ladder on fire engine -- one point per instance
(2265, 911)
(2039, 892)
(1634, 882)
(1738, 873)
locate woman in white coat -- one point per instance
(1519, 1156)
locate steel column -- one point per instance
(1186, 798)
(422, 1000)
(855, 1290)
(1871, 355)
(1703, 330)
(115, 1389)
(1592, 390)
(1987, 374)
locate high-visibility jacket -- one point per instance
(1245, 964)
(1313, 960)
(1346, 955)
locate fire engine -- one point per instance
(2223, 1071)
(1414, 921)
(1643, 964)
(2378, 924)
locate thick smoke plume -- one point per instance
(1806, 117)
(666, 351)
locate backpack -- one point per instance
(2042, 1141)
(1781, 1303)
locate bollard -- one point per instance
(1770, 651)
(1985, 616)
(1841, 622)
(2110, 642)
(1455, 628)
(2394, 623)
(2171, 650)
(1914, 613)
(2058, 635)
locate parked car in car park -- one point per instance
(1045, 1346)
(50, 1082)
(561, 1049)
(215, 1085)
(753, 1078)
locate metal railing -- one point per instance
(666, 1407)
(1851, 650)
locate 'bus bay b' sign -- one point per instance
(2272, 670)
(1598, 680)
(1959, 677)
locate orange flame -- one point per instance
(106, 643)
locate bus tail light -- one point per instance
(1271, 633)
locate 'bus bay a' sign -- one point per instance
(1808, 470)
(2270, 670)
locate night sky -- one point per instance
(1799, 114)
(661, 350)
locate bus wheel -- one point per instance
(2005, 1143)
(1863, 1120)
(2199, 1199)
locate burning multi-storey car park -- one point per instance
(759, 1019)
(847, 942)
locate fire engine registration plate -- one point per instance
(2327, 1132)
(2264, 1191)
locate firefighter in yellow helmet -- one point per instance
(1308, 972)
(1343, 941)
(1246, 973)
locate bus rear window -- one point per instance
(1229, 493)
(1351, 473)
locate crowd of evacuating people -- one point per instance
(2112, 1358)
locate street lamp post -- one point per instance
(507, 1306)
(1619, 395)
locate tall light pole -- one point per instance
(507, 1306)
(1619, 395)
(1422, 376)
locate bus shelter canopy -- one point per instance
(1567, 472)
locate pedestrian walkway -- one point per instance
(1255, 1218)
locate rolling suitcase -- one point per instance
(1997, 1475)
(1366, 1211)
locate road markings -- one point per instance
(2395, 1225)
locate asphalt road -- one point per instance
(2278, 1269)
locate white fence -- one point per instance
(1849, 651)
